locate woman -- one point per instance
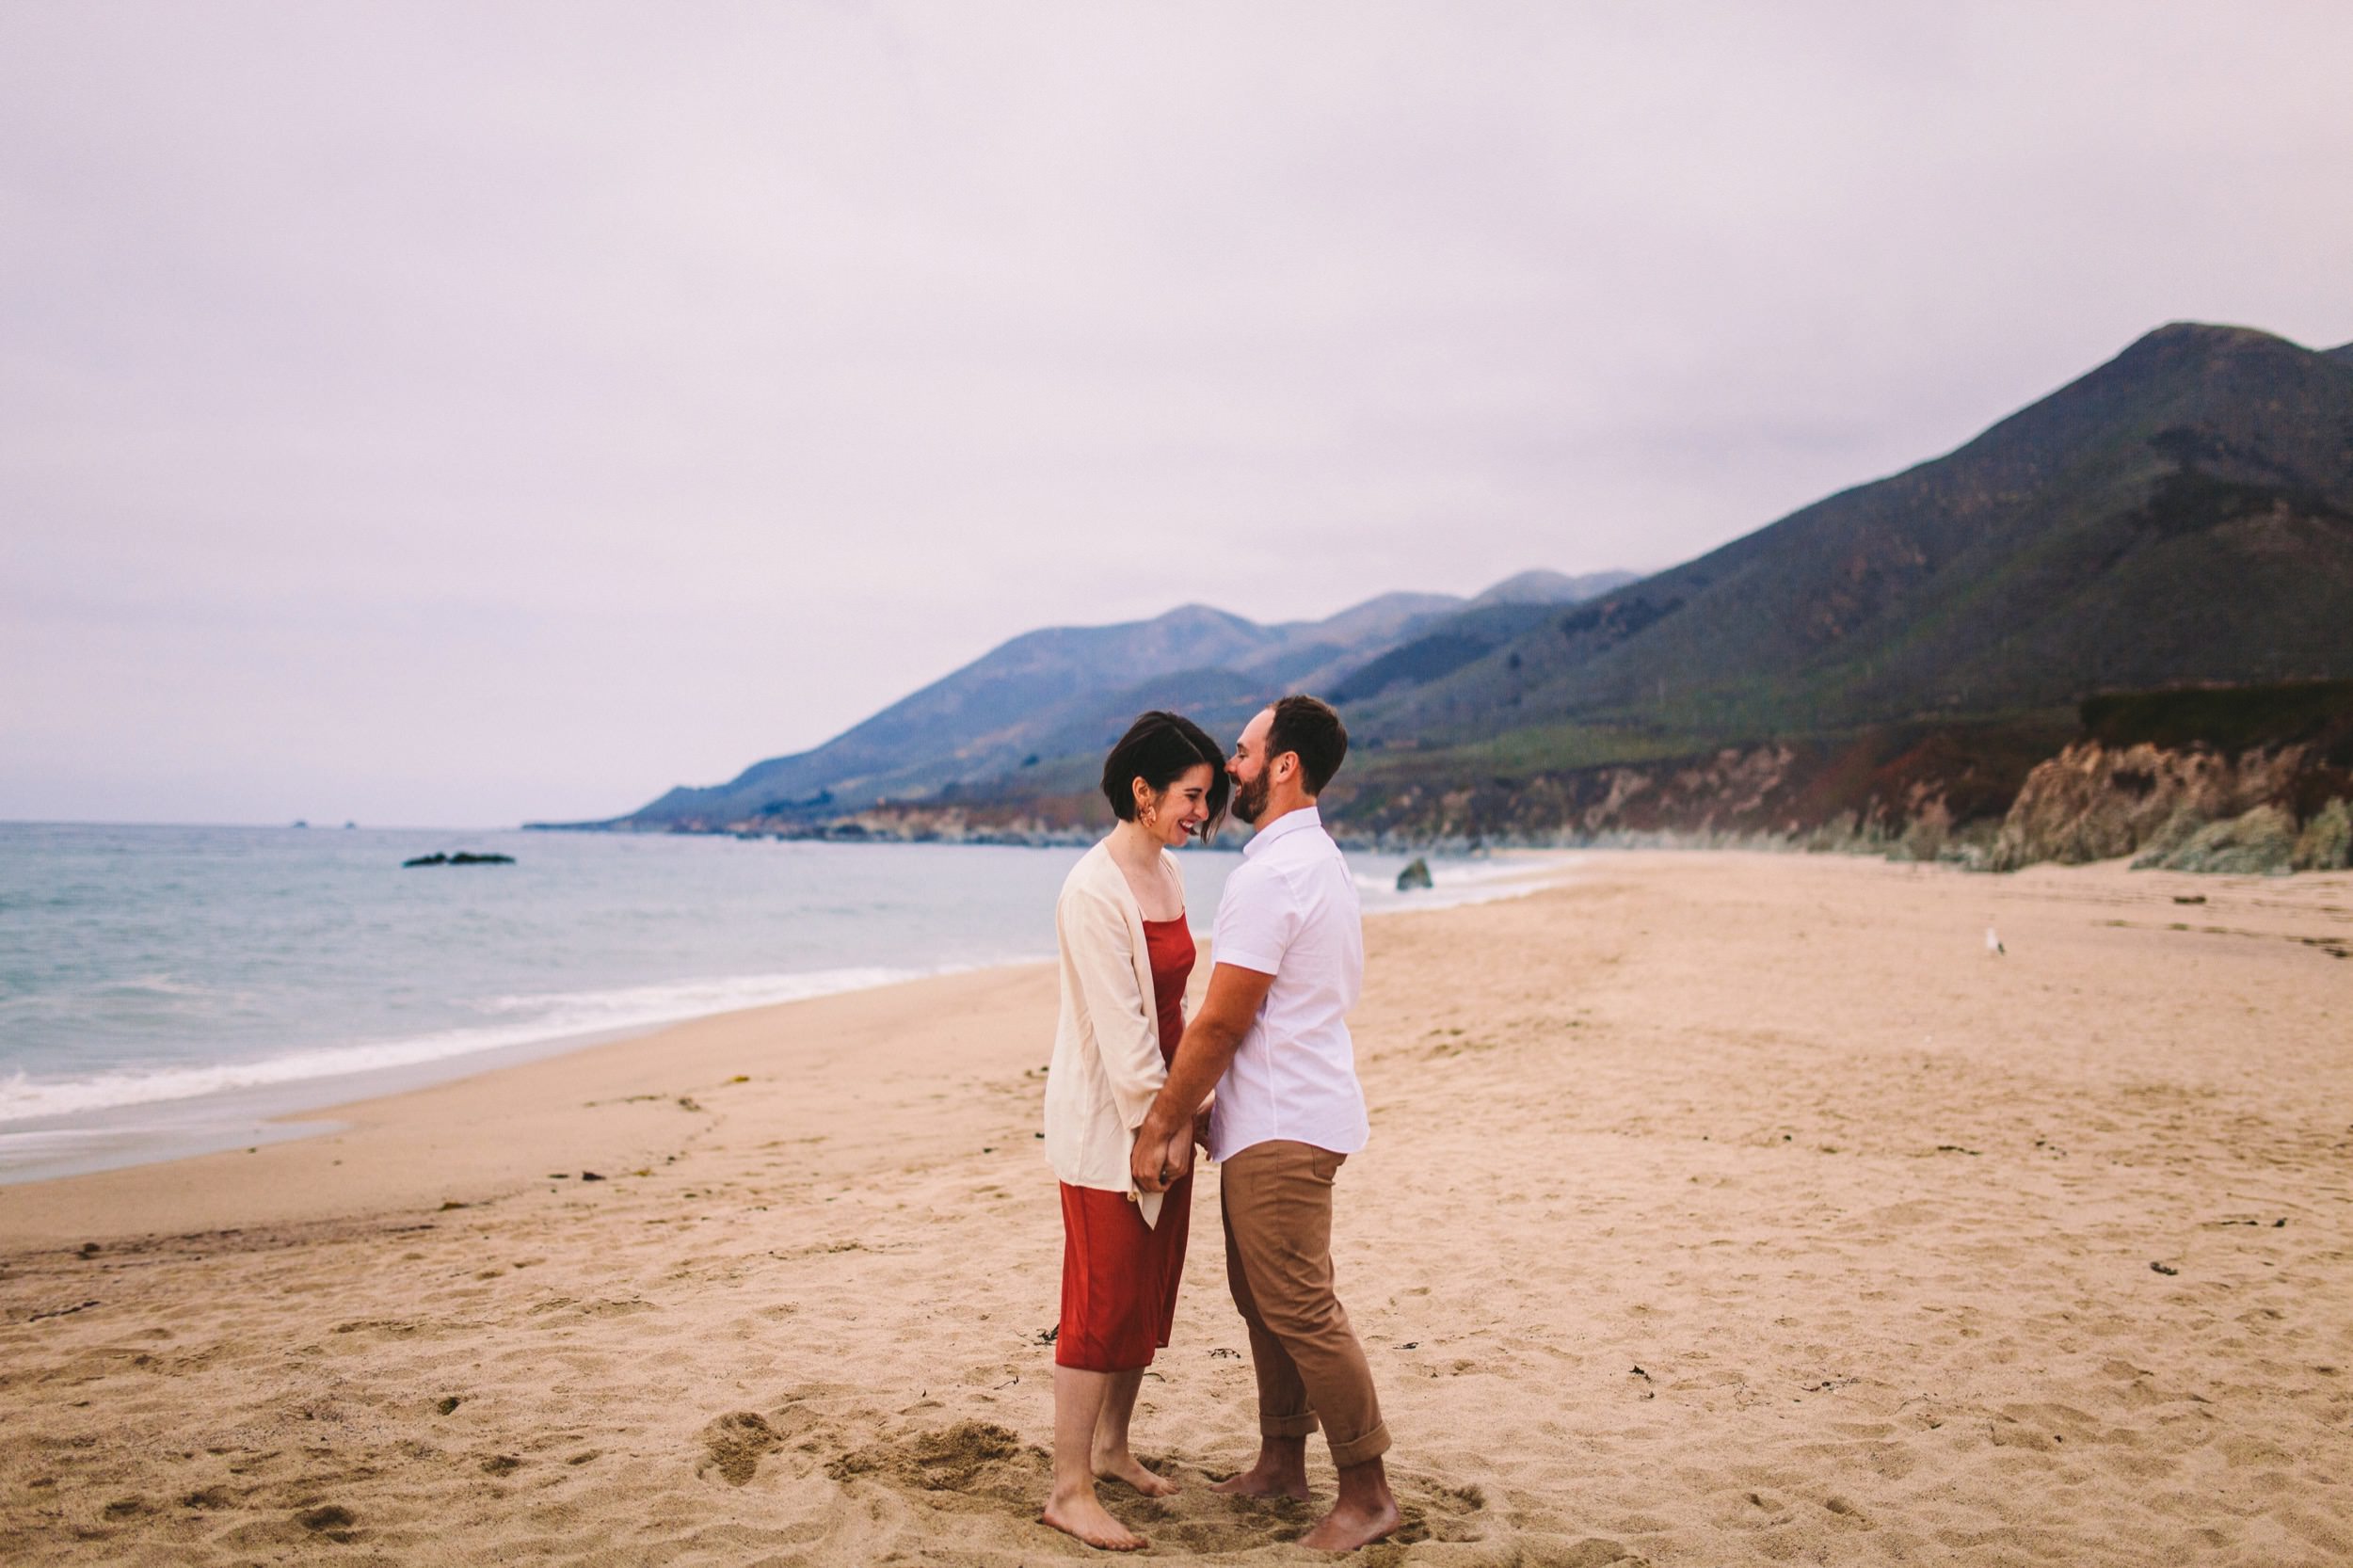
(1126, 955)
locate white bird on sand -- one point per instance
(1993, 943)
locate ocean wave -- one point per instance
(531, 1019)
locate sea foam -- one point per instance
(530, 1020)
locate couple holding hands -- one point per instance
(1263, 1078)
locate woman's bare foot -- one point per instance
(1351, 1525)
(1128, 1467)
(1083, 1516)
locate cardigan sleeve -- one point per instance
(1126, 1034)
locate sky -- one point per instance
(461, 414)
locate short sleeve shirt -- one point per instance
(1289, 910)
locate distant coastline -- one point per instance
(2236, 779)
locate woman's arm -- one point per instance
(1094, 930)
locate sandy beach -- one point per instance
(1720, 1208)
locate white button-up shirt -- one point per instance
(1289, 910)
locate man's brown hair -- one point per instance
(1308, 727)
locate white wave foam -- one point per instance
(536, 1019)
(1456, 882)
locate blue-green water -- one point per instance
(155, 981)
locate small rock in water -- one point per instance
(463, 857)
(1415, 875)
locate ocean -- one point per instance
(171, 990)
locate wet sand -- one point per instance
(1719, 1209)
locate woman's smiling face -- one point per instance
(1183, 806)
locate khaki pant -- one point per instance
(1277, 1203)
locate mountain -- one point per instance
(1046, 704)
(1490, 618)
(1551, 587)
(1899, 656)
(2182, 514)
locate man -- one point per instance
(1271, 1037)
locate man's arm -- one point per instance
(1202, 1057)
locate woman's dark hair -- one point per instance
(1308, 727)
(1161, 748)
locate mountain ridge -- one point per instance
(1947, 586)
(2179, 514)
(1053, 692)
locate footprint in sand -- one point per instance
(965, 1457)
(1430, 1509)
(734, 1444)
(332, 1520)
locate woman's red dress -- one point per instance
(1119, 1275)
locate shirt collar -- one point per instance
(1307, 816)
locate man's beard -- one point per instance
(1250, 799)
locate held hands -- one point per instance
(1180, 1155)
(1161, 1159)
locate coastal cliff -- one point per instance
(2246, 779)
(2091, 802)
(2226, 780)
(1924, 793)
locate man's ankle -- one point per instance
(1282, 1445)
(1367, 1481)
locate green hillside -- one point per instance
(2185, 512)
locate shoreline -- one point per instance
(467, 1139)
(278, 1110)
(244, 1113)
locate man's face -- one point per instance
(1247, 767)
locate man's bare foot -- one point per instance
(1084, 1516)
(1351, 1525)
(1266, 1480)
(1128, 1467)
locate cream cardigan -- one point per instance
(1107, 1064)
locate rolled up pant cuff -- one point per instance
(1371, 1446)
(1287, 1426)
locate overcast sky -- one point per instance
(459, 414)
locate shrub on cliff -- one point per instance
(2327, 842)
(2158, 849)
(2258, 842)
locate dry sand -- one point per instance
(1720, 1208)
